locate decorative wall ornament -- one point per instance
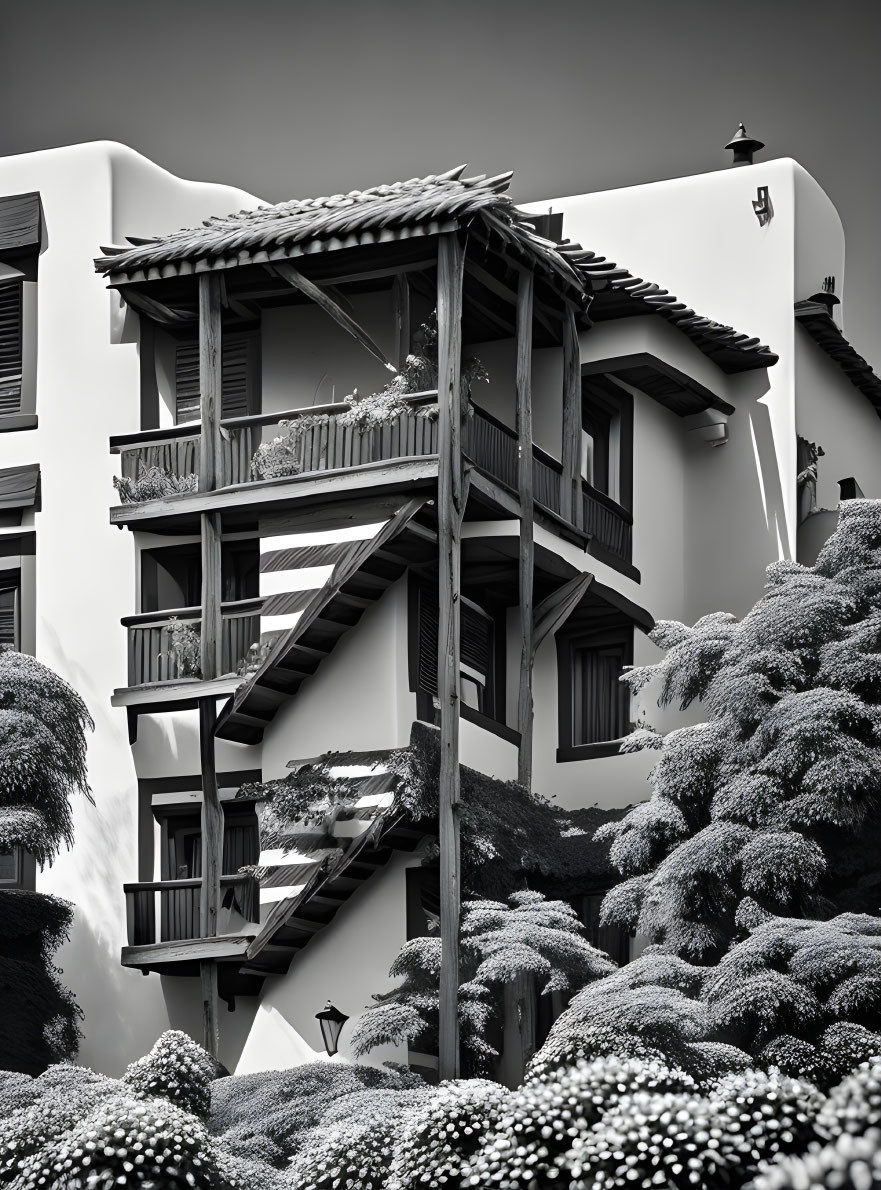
(762, 205)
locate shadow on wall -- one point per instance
(737, 510)
(184, 1005)
(124, 1014)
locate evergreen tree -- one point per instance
(42, 764)
(787, 759)
(529, 938)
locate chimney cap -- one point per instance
(743, 146)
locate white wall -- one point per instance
(347, 962)
(87, 389)
(358, 700)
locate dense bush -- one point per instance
(850, 1163)
(437, 1140)
(268, 1114)
(854, 1105)
(177, 1069)
(539, 1123)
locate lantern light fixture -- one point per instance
(331, 1021)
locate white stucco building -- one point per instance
(665, 466)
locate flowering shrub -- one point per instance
(645, 1139)
(153, 483)
(540, 1121)
(177, 1069)
(855, 1104)
(850, 1163)
(356, 1150)
(769, 1111)
(437, 1140)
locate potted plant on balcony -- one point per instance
(366, 418)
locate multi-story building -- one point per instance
(281, 590)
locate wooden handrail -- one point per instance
(172, 885)
(235, 607)
(607, 502)
(192, 429)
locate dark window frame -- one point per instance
(246, 401)
(603, 401)
(491, 719)
(568, 643)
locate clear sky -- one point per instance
(289, 98)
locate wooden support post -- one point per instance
(450, 270)
(401, 298)
(212, 862)
(211, 634)
(571, 505)
(210, 381)
(147, 366)
(527, 546)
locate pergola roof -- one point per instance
(421, 206)
(617, 292)
(817, 320)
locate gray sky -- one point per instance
(287, 98)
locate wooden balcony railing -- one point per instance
(150, 658)
(487, 442)
(178, 908)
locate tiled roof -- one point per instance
(817, 320)
(420, 206)
(618, 292)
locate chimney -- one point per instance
(743, 147)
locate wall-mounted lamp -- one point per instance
(331, 1021)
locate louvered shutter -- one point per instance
(238, 354)
(8, 634)
(475, 640)
(10, 346)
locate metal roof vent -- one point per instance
(827, 296)
(743, 146)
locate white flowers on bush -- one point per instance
(177, 1069)
(853, 1106)
(436, 1140)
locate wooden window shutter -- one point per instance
(239, 366)
(475, 640)
(10, 346)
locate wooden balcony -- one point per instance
(333, 448)
(177, 902)
(150, 659)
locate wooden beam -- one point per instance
(450, 273)
(147, 368)
(503, 291)
(210, 1021)
(571, 505)
(523, 383)
(324, 301)
(167, 315)
(401, 299)
(186, 950)
(554, 611)
(211, 636)
(210, 381)
(212, 862)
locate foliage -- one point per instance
(540, 1122)
(850, 1163)
(790, 751)
(177, 1069)
(153, 483)
(855, 1104)
(282, 455)
(529, 936)
(185, 647)
(38, 1015)
(268, 1114)
(437, 1140)
(42, 756)
(807, 993)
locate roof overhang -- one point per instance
(817, 320)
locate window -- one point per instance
(607, 438)
(10, 634)
(171, 576)
(10, 867)
(481, 676)
(594, 704)
(240, 370)
(21, 233)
